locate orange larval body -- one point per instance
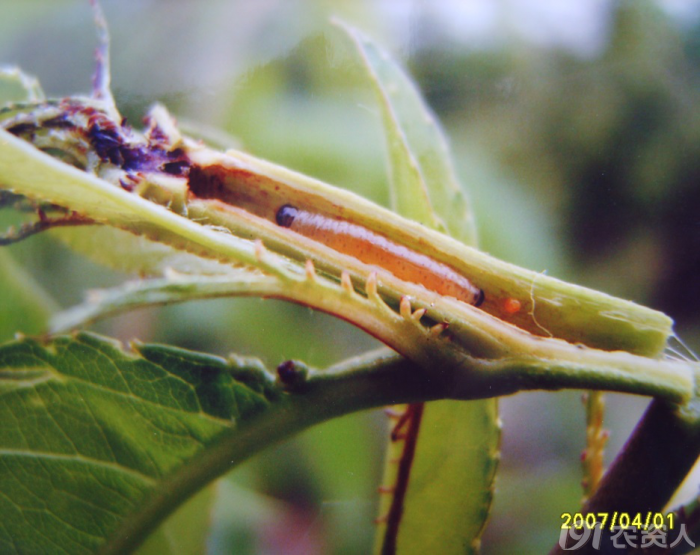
(372, 248)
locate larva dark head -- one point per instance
(285, 215)
(480, 296)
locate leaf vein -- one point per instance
(148, 480)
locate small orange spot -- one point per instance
(511, 306)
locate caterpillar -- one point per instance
(372, 248)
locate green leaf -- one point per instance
(126, 252)
(102, 444)
(454, 468)
(423, 183)
(158, 291)
(26, 307)
(457, 446)
(95, 431)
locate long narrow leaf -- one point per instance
(456, 444)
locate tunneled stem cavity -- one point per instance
(252, 192)
(267, 200)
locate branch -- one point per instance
(464, 377)
(372, 380)
(653, 463)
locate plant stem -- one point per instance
(352, 386)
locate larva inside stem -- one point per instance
(373, 248)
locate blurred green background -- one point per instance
(575, 129)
